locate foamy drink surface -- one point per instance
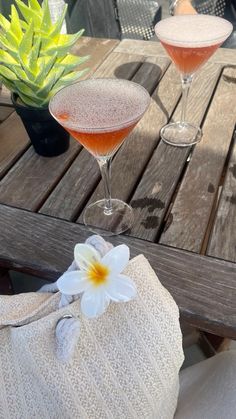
(99, 105)
(193, 31)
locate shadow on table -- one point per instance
(147, 74)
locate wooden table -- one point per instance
(184, 199)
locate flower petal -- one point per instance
(72, 283)
(94, 303)
(117, 258)
(122, 288)
(85, 255)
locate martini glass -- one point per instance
(100, 113)
(190, 40)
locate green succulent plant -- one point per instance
(34, 56)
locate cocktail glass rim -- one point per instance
(110, 128)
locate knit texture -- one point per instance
(125, 366)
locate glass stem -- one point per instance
(186, 83)
(105, 168)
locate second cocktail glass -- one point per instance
(100, 113)
(189, 40)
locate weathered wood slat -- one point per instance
(72, 192)
(5, 112)
(74, 189)
(204, 288)
(95, 47)
(121, 66)
(154, 193)
(151, 72)
(5, 96)
(223, 56)
(223, 240)
(32, 178)
(133, 156)
(13, 142)
(148, 48)
(192, 207)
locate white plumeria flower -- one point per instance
(98, 278)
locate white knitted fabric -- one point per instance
(125, 366)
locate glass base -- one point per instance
(181, 134)
(106, 222)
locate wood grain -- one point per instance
(143, 48)
(13, 142)
(5, 112)
(192, 207)
(72, 192)
(153, 195)
(204, 288)
(29, 182)
(5, 97)
(97, 48)
(223, 240)
(121, 66)
(151, 72)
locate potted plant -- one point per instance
(35, 63)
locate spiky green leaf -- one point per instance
(45, 64)
(15, 26)
(70, 62)
(12, 39)
(24, 88)
(33, 56)
(34, 4)
(6, 58)
(23, 76)
(69, 79)
(49, 82)
(46, 24)
(7, 73)
(4, 23)
(64, 43)
(36, 102)
(8, 46)
(35, 59)
(9, 84)
(26, 42)
(29, 14)
(24, 25)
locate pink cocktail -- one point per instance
(100, 113)
(190, 40)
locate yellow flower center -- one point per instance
(98, 274)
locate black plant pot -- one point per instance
(48, 138)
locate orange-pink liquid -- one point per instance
(189, 59)
(98, 143)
